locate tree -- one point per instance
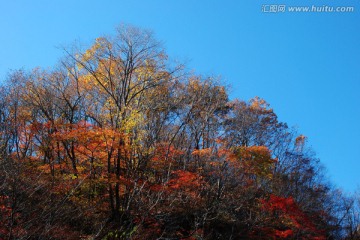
(117, 142)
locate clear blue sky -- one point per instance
(306, 65)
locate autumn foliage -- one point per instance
(118, 142)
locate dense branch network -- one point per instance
(117, 142)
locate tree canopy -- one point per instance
(119, 142)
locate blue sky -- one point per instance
(306, 65)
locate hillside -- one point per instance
(119, 142)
